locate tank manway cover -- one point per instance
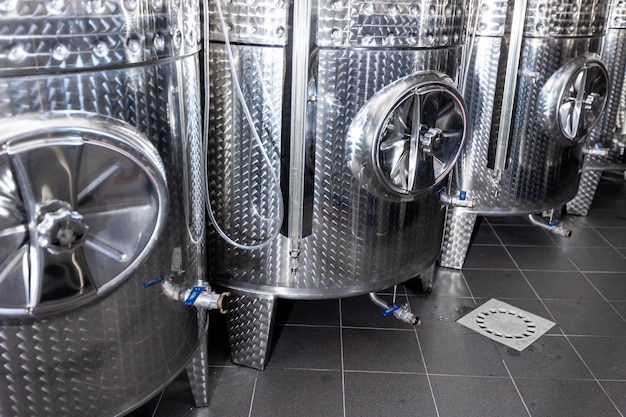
(407, 137)
(506, 324)
(82, 200)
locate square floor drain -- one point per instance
(506, 324)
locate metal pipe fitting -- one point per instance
(460, 201)
(402, 313)
(200, 296)
(553, 227)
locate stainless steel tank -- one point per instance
(535, 88)
(606, 147)
(324, 184)
(101, 198)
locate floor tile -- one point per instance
(492, 257)
(376, 394)
(611, 285)
(305, 348)
(441, 313)
(381, 350)
(523, 235)
(597, 259)
(548, 357)
(476, 397)
(541, 258)
(484, 234)
(606, 356)
(586, 318)
(606, 218)
(311, 312)
(362, 312)
(456, 353)
(498, 283)
(615, 236)
(298, 393)
(616, 390)
(562, 285)
(620, 306)
(565, 398)
(231, 391)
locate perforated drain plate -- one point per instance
(506, 324)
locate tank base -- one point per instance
(250, 321)
(198, 368)
(456, 239)
(579, 205)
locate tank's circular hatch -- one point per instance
(574, 98)
(407, 137)
(83, 199)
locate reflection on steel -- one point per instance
(362, 213)
(561, 90)
(606, 146)
(99, 129)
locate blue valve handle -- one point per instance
(193, 296)
(390, 310)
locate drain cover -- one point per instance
(506, 324)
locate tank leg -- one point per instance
(198, 368)
(456, 238)
(427, 277)
(579, 205)
(250, 322)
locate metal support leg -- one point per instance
(579, 205)
(456, 239)
(198, 368)
(427, 277)
(250, 322)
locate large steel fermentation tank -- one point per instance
(606, 147)
(535, 89)
(327, 187)
(101, 198)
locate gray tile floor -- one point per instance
(341, 358)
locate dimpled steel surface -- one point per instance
(107, 357)
(610, 135)
(427, 24)
(540, 170)
(358, 242)
(70, 34)
(262, 22)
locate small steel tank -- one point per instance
(606, 147)
(535, 89)
(101, 198)
(324, 184)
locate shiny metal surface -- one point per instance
(340, 238)
(380, 24)
(68, 35)
(542, 171)
(250, 323)
(90, 201)
(561, 88)
(405, 139)
(610, 135)
(107, 356)
(358, 242)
